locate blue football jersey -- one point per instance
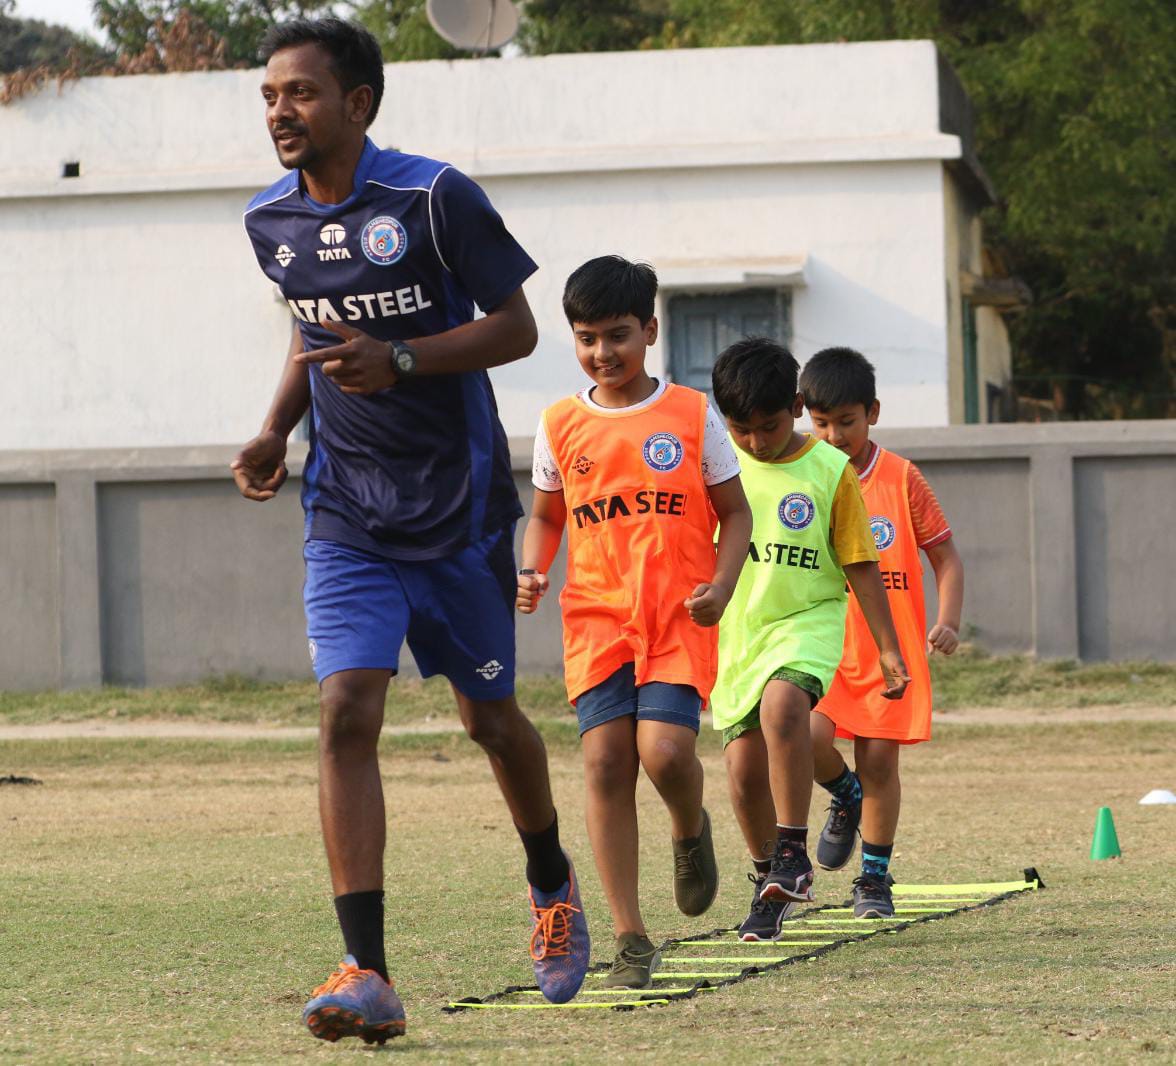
(421, 470)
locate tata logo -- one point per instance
(333, 235)
(283, 255)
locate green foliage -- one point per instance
(135, 25)
(403, 30)
(591, 25)
(32, 43)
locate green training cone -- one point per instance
(1105, 844)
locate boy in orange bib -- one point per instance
(839, 391)
(638, 471)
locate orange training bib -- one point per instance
(854, 701)
(640, 540)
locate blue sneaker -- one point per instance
(355, 1002)
(559, 941)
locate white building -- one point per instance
(827, 193)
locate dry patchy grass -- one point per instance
(168, 901)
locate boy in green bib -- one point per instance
(781, 637)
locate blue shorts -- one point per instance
(618, 695)
(456, 613)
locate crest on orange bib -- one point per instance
(662, 452)
(883, 530)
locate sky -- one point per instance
(72, 13)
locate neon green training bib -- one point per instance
(788, 608)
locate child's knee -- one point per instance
(785, 720)
(606, 769)
(668, 760)
(876, 762)
(747, 766)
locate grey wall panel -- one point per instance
(146, 566)
(1125, 517)
(29, 634)
(197, 582)
(987, 504)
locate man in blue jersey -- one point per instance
(409, 499)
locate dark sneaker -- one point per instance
(696, 874)
(559, 939)
(791, 876)
(839, 836)
(635, 963)
(872, 898)
(355, 1002)
(766, 916)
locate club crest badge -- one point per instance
(796, 511)
(662, 452)
(384, 240)
(883, 530)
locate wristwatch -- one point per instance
(404, 360)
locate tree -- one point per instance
(590, 25)
(137, 26)
(32, 43)
(403, 30)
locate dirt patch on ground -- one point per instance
(162, 730)
(186, 730)
(1052, 715)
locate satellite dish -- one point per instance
(474, 25)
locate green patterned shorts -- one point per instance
(751, 720)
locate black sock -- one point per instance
(846, 788)
(762, 866)
(792, 836)
(547, 865)
(361, 917)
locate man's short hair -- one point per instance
(355, 55)
(610, 287)
(836, 377)
(754, 374)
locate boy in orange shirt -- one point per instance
(839, 391)
(638, 470)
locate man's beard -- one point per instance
(307, 154)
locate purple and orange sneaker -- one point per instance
(559, 941)
(355, 1002)
(791, 876)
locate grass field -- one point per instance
(970, 679)
(167, 901)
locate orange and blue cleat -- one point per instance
(355, 1002)
(559, 941)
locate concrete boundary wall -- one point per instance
(146, 567)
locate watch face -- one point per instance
(405, 360)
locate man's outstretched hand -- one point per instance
(360, 365)
(260, 467)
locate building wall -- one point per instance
(146, 567)
(963, 247)
(146, 321)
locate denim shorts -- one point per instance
(619, 695)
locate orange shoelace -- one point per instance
(553, 929)
(340, 979)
